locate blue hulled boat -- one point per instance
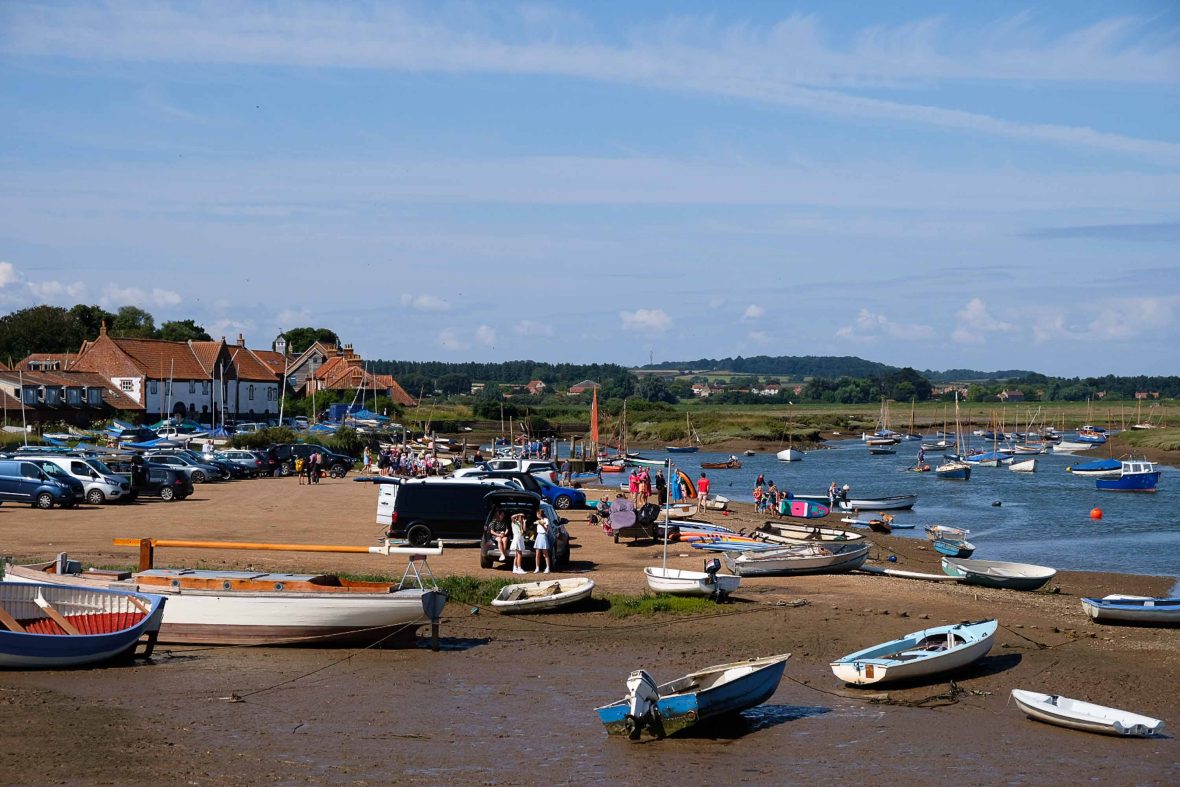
(1136, 476)
(669, 708)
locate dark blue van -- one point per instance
(22, 481)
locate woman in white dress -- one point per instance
(517, 542)
(541, 545)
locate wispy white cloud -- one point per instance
(448, 339)
(789, 63)
(56, 291)
(485, 335)
(753, 312)
(8, 274)
(114, 296)
(974, 322)
(654, 320)
(228, 329)
(1112, 321)
(870, 326)
(532, 328)
(425, 303)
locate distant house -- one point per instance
(535, 387)
(1011, 396)
(586, 386)
(345, 371)
(477, 388)
(771, 389)
(67, 396)
(702, 390)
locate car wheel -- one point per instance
(95, 497)
(198, 476)
(338, 471)
(44, 501)
(418, 535)
(562, 502)
(167, 493)
(282, 470)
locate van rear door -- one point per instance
(386, 501)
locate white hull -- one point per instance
(678, 582)
(679, 511)
(804, 533)
(1070, 447)
(831, 558)
(789, 455)
(214, 617)
(1135, 609)
(905, 659)
(716, 503)
(542, 596)
(1085, 716)
(1025, 466)
(894, 503)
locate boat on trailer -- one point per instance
(927, 652)
(667, 709)
(1085, 716)
(50, 626)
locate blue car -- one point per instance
(561, 497)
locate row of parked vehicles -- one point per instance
(46, 478)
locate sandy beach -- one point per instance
(510, 700)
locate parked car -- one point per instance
(530, 505)
(162, 481)
(427, 509)
(227, 470)
(22, 481)
(526, 465)
(335, 464)
(558, 496)
(249, 427)
(99, 483)
(197, 473)
(248, 461)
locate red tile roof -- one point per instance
(249, 367)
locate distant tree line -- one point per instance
(426, 377)
(786, 365)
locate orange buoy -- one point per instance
(1095, 513)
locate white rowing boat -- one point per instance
(542, 596)
(919, 654)
(1085, 716)
(679, 582)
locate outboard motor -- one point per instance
(711, 568)
(642, 696)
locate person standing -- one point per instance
(313, 468)
(644, 486)
(367, 461)
(299, 469)
(661, 487)
(703, 487)
(541, 545)
(517, 543)
(833, 493)
(633, 486)
(566, 474)
(772, 497)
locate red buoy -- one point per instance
(1095, 513)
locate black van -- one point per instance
(427, 509)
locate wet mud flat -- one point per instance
(510, 701)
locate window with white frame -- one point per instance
(126, 385)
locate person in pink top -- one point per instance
(644, 486)
(633, 486)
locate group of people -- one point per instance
(309, 470)
(401, 460)
(641, 483)
(768, 498)
(512, 532)
(837, 494)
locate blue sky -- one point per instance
(938, 185)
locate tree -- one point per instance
(454, 383)
(90, 319)
(653, 388)
(299, 339)
(42, 329)
(133, 322)
(183, 331)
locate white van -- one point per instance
(101, 484)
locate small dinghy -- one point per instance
(1085, 716)
(1024, 466)
(542, 596)
(1133, 609)
(678, 582)
(667, 709)
(922, 653)
(813, 558)
(998, 573)
(43, 625)
(808, 532)
(716, 502)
